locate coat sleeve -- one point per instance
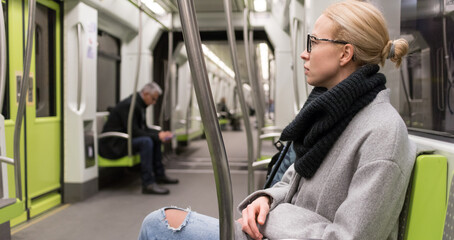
(370, 211)
(277, 193)
(139, 128)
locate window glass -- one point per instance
(427, 72)
(45, 61)
(108, 80)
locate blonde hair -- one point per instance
(363, 25)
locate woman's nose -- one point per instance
(304, 55)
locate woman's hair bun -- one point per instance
(395, 51)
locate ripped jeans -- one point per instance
(194, 226)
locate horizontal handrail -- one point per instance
(272, 128)
(269, 135)
(261, 164)
(7, 160)
(113, 134)
(156, 127)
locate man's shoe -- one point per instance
(166, 180)
(155, 189)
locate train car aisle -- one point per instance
(117, 211)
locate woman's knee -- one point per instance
(175, 217)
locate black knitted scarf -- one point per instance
(326, 114)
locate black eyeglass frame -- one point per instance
(309, 44)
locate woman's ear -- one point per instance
(347, 54)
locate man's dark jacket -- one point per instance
(115, 147)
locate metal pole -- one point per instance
(233, 53)
(2, 57)
(23, 94)
(134, 90)
(166, 106)
(210, 121)
(256, 96)
(294, 61)
(260, 91)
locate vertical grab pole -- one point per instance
(247, 124)
(212, 130)
(255, 92)
(23, 94)
(134, 90)
(295, 66)
(166, 106)
(2, 57)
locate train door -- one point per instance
(43, 113)
(10, 206)
(41, 161)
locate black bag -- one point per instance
(276, 161)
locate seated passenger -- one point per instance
(225, 113)
(223, 109)
(145, 141)
(353, 156)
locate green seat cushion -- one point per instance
(125, 161)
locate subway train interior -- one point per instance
(79, 58)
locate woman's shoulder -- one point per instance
(380, 115)
(380, 131)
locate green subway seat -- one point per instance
(125, 161)
(11, 210)
(427, 203)
(223, 121)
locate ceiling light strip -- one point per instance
(148, 11)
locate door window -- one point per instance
(45, 62)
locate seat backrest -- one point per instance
(101, 119)
(423, 219)
(448, 231)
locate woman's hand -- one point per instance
(254, 213)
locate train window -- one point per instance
(45, 61)
(427, 72)
(6, 107)
(109, 60)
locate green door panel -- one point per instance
(41, 171)
(44, 130)
(43, 157)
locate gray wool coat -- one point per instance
(358, 191)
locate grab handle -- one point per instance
(80, 63)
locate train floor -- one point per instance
(117, 210)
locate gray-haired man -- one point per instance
(145, 141)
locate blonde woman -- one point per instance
(353, 156)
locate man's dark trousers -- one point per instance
(150, 158)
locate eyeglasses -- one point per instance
(311, 38)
